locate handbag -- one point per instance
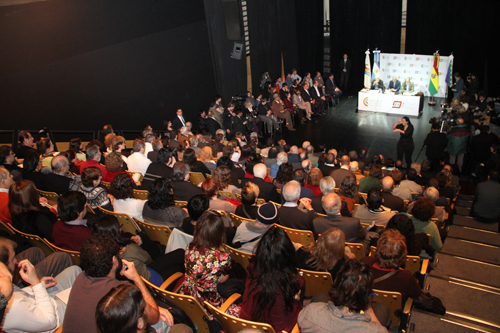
(429, 303)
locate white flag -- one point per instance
(368, 74)
(376, 64)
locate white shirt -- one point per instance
(181, 118)
(137, 162)
(31, 311)
(147, 148)
(132, 207)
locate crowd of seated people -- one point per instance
(337, 195)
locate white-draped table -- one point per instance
(407, 105)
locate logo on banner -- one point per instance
(427, 73)
(397, 104)
(411, 65)
(416, 72)
(394, 57)
(405, 58)
(388, 64)
(399, 64)
(383, 57)
(404, 71)
(365, 101)
(394, 71)
(422, 65)
(417, 58)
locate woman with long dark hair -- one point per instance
(349, 193)
(405, 144)
(273, 283)
(46, 150)
(193, 163)
(32, 167)
(124, 201)
(27, 214)
(160, 208)
(206, 262)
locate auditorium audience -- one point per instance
(123, 200)
(96, 195)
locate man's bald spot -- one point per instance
(260, 170)
(387, 183)
(59, 162)
(354, 166)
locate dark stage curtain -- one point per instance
(357, 24)
(463, 27)
(265, 43)
(230, 74)
(288, 32)
(310, 35)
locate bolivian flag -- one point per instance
(434, 85)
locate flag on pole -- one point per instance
(434, 84)
(449, 76)
(368, 81)
(376, 64)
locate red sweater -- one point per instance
(70, 237)
(4, 207)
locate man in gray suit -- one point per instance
(354, 232)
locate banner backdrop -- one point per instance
(417, 67)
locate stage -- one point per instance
(342, 127)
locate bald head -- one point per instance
(60, 164)
(260, 170)
(291, 191)
(294, 150)
(387, 183)
(345, 160)
(306, 144)
(354, 166)
(331, 203)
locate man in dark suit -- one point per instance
(267, 190)
(58, 180)
(318, 98)
(183, 188)
(292, 214)
(390, 200)
(354, 232)
(395, 85)
(345, 69)
(159, 169)
(339, 174)
(305, 94)
(329, 165)
(238, 123)
(178, 121)
(332, 89)
(212, 124)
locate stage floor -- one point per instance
(342, 127)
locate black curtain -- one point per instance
(359, 24)
(80, 64)
(230, 74)
(288, 32)
(265, 42)
(463, 27)
(310, 38)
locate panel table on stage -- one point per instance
(458, 268)
(476, 235)
(465, 300)
(472, 250)
(406, 105)
(471, 222)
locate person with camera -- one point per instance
(436, 143)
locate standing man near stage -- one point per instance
(345, 69)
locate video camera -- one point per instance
(446, 120)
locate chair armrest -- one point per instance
(425, 264)
(171, 279)
(408, 305)
(229, 301)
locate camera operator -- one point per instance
(458, 138)
(436, 143)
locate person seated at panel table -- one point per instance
(408, 86)
(395, 85)
(378, 84)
